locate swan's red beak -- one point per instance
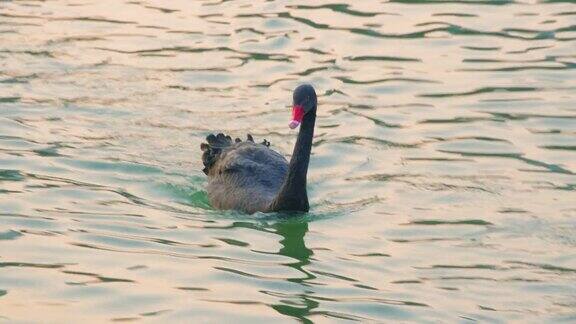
(297, 115)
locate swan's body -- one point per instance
(247, 177)
(251, 177)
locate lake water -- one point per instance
(442, 181)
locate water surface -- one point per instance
(442, 181)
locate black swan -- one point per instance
(251, 177)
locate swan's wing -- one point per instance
(246, 176)
(254, 163)
(216, 144)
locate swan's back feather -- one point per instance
(242, 175)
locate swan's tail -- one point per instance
(215, 145)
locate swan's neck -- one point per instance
(293, 196)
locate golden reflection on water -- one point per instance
(442, 178)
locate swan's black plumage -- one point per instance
(251, 177)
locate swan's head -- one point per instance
(304, 101)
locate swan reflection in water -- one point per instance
(298, 305)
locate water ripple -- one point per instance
(441, 181)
